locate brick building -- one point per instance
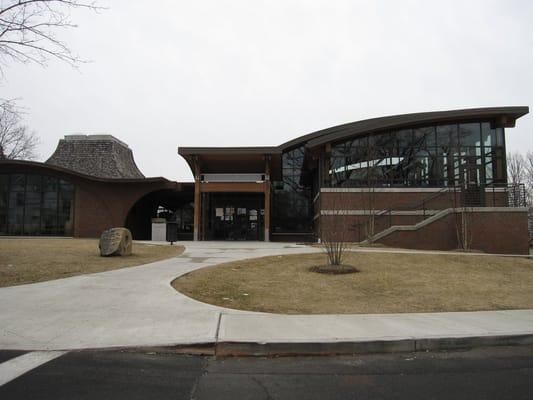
(412, 180)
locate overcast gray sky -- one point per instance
(250, 72)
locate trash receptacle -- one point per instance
(172, 232)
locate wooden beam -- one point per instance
(231, 187)
(197, 202)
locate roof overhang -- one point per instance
(33, 166)
(500, 116)
(229, 159)
(247, 159)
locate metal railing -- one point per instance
(494, 195)
(383, 218)
(516, 195)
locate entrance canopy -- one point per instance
(231, 160)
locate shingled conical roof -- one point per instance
(103, 156)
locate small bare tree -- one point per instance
(16, 141)
(28, 30)
(464, 228)
(462, 207)
(334, 229)
(373, 169)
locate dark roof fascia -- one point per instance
(55, 168)
(193, 151)
(405, 120)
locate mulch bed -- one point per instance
(334, 269)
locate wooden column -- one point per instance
(266, 217)
(197, 202)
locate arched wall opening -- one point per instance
(167, 203)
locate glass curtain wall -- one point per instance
(439, 155)
(292, 208)
(32, 204)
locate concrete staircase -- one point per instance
(435, 217)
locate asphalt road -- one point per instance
(492, 373)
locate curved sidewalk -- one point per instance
(137, 307)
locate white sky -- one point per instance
(251, 72)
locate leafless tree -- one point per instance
(462, 205)
(463, 224)
(16, 141)
(528, 180)
(517, 167)
(373, 175)
(28, 30)
(334, 229)
(520, 177)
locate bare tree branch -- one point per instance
(516, 168)
(334, 230)
(28, 30)
(16, 141)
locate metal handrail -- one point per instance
(515, 196)
(416, 206)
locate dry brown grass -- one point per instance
(36, 260)
(386, 283)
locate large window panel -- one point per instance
(424, 137)
(292, 209)
(446, 136)
(469, 135)
(4, 192)
(34, 204)
(15, 217)
(424, 156)
(65, 207)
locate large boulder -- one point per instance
(115, 242)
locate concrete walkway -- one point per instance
(138, 307)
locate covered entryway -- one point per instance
(234, 216)
(232, 191)
(174, 204)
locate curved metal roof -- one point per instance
(506, 116)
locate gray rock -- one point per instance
(115, 242)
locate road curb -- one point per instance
(239, 349)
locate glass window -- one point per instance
(469, 134)
(292, 210)
(35, 205)
(424, 137)
(446, 136)
(487, 134)
(17, 183)
(432, 155)
(4, 190)
(404, 139)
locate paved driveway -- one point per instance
(126, 307)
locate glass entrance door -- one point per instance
(235, 217)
